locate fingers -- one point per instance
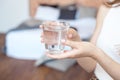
(72, 44)
(61, 55)
(73, 35)
(57, 56)
(70, 33)
(42, 40)
(66, 54)
(42, 35)
(70, 36)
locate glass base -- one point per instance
(54, 52)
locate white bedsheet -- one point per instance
(24, 44)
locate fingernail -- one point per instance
(70, 35)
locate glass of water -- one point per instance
(54, 32)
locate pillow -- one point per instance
(47, 13)
(67, 14)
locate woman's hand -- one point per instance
(71, 35)
(79, 49)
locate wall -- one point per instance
(12, 13)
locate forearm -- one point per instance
(88, 64)
(35, 3)
(110, 66)
(33, 7)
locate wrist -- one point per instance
(96, 54)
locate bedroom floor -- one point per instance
(14, 69)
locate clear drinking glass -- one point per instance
(54, 32)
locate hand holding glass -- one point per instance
(54, 33)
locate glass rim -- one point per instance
(48, 24)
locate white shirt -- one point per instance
(109, 40)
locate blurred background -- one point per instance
(21, 53)
(12, 13)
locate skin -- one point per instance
(87, 53)
(89, 3)
(34, 4)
